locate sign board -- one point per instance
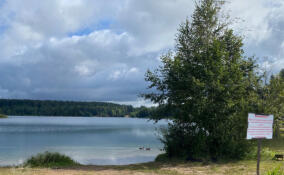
(260, 126)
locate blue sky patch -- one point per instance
(101, 25)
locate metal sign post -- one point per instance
(259, 127)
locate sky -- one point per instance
(95, 50)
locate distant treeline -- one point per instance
(70, 108)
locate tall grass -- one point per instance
(276, 171)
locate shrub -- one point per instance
(162, 158)
(266, 154)
(3, 116)
(48, 159)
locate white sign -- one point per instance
(259, 126)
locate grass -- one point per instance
(3, 116)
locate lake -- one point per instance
(88, 140)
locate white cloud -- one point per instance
(153, 24)
(250, 19)
(261, 22)
(100, 50)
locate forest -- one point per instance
(15, 107)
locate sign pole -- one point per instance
(258, 155)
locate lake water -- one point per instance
(88, 140)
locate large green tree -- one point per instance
(207, 86)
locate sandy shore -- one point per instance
(241, 167)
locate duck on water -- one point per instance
(143, 148)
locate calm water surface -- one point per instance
(96, 140)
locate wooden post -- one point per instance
(258, 155)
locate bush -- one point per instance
(48, 159)
(180, 142)
(162, 158)
(3, 116)
(266, 154)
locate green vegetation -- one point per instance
(276, 171)
(208, 87)
(3, 116)
(48, 159)
(68, 108)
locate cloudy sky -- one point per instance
(99, 50)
